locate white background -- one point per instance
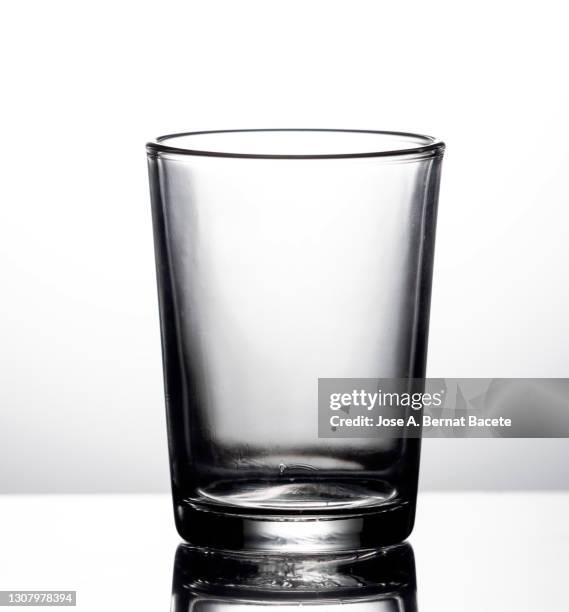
(85, 84)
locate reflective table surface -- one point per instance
(468, 552)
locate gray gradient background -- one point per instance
(81, 407)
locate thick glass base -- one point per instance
(294, 533)
(294, 495)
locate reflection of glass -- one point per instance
(382, 580)
(282, 257)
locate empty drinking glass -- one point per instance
(285, 256)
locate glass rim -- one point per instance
(428, 145)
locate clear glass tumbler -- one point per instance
(284, 256)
